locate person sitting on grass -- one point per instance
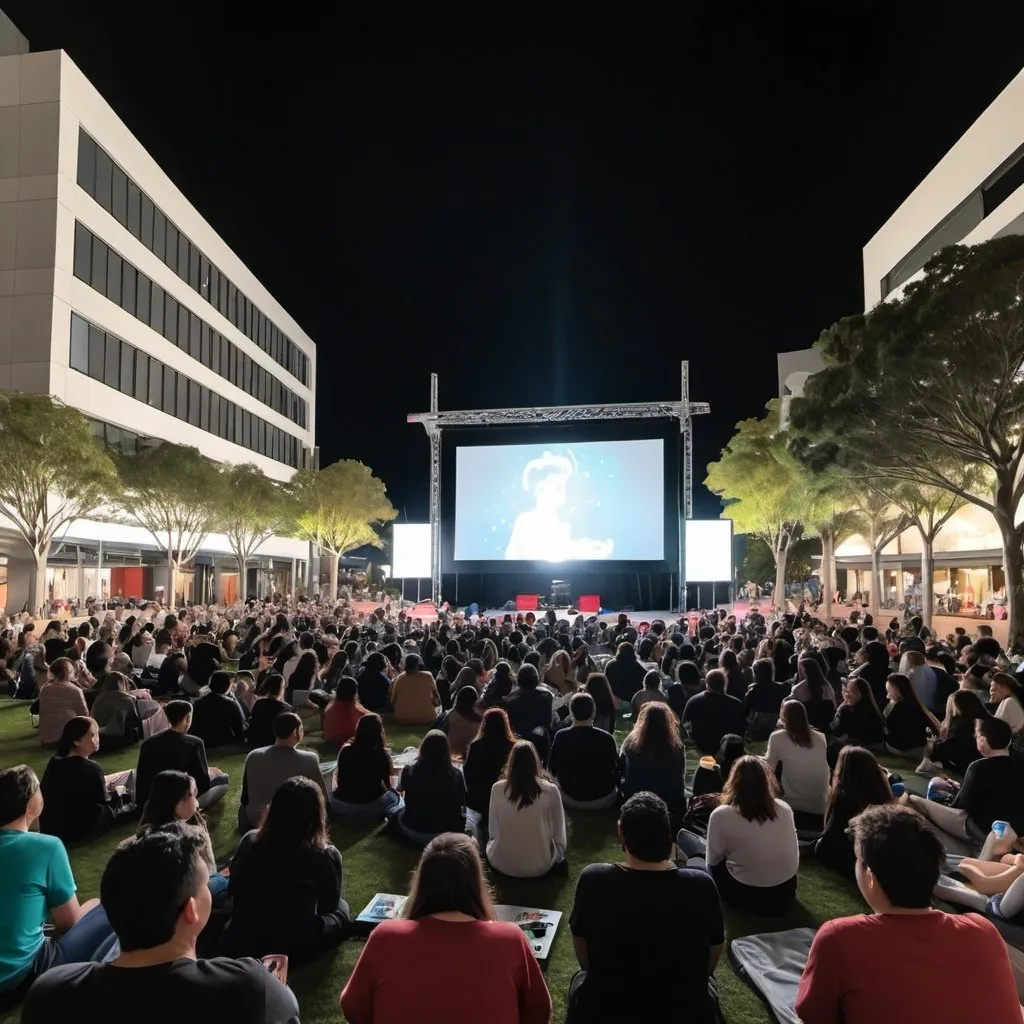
(446, 941)
(651, 691)
(992, 790)
(363, 790)
(414, 695)
(342, 715)
(217, 717)
(858, 719)
(906, 718)
(300, 913)
(60, 699)
(763, 700)
(751, 849)
(796, 753)
(173, 797)
(266, 768)
(116, 710)
(713, 713)
(485, 761)
(157, 924)
(36, 881)
(435, 793)
(584, 759)
(651, 892)
(174, 749)
(654, 758)
(530, 708)
(76, 794)
(268, 705)
(955, 748)
(526, 822)
(374, 683)
(935, 966)
(462, 722)
(858, 783)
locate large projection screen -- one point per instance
(410, 551)
(561, 502)
(708, 547)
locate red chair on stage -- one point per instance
(526, 602)
(589, 604)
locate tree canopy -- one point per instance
(339, 508)
(54, 472)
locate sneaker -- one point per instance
(927, 767)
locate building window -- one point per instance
(182, 328)
(134, 224)
(79, 356)
(181, 405)
(193, 403)
(170, 383)
(113, 277)
(182, 257)
(156, 383)
(119, 195)
(128, 289)
(146, 218)
(170, 256)
(83, 252)
(112, 363)
(170, 331)
(142, 298)
(141, 375)
(127, 370)
(156, 309)
(87, 163)
(104, 169)
(98, 269)
(159, 232)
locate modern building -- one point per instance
(794, 369)
(974, 193)
(120, 299)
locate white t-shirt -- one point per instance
(760, 854)
(805, 772)
(1011, 712)
(527, 842)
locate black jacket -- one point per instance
(167, 751)
(625, 675)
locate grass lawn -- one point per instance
(374, 863)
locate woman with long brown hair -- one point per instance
(857, 784)
(751, 849)
(654, 759)
(906, 718)
(286, 881)
(446, 945)
(485, 760)
(363, 790)
(797, 755)
(558, 674)
(526, 822)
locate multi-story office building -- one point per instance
(118, 297)
(974, 193)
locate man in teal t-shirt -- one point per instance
(36, 879)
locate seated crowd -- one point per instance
(519, 717)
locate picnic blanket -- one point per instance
(772, 964)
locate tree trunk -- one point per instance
(171, 573)
(37, 595)
(875, 589)
(827, 579)
(1013, 569)
(927, 579)
(241, 562)
(779, 594)
(332, 584)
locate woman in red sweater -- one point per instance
(343, 713)
(446, 942)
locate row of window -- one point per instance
(113, 276)
(135, 373)
(133, 209)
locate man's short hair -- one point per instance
(582, 707)
(306, 640)
(147, 882)
(163, 638)
(285, 724)
(17, 786)
(902, 850)
(997, 731)
(177, 711)
(715, 680)
(220, 682)
(646, 827)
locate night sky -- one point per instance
(543, 212)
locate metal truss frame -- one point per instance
(435, 421)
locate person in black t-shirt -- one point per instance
(217, 718)
(363, 790)
(585, 760)
(434, 791)
(713, 713)
(648, 895)
(157, 972)
(268, 705)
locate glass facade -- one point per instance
(105, 270)
(114, 362)
(111, 187)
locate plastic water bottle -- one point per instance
(999, 828)
(898, 789)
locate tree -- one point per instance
(338, 508)
(934, 379)
(54, 471)
(885, 521)
(767, 487)
(175, 494)
(834, 520)
(252, 509)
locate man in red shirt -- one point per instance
(906, 961)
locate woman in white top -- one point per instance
(751, 849)
(799, 751)
(1008, 696)
(526, 822)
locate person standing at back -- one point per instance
(649, 893)
(936, 967)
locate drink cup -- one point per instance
(999, 828)
(898, 789)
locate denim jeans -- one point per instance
(384, 806)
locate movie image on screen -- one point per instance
(560, 502)
(708, 550)
(410, 551)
